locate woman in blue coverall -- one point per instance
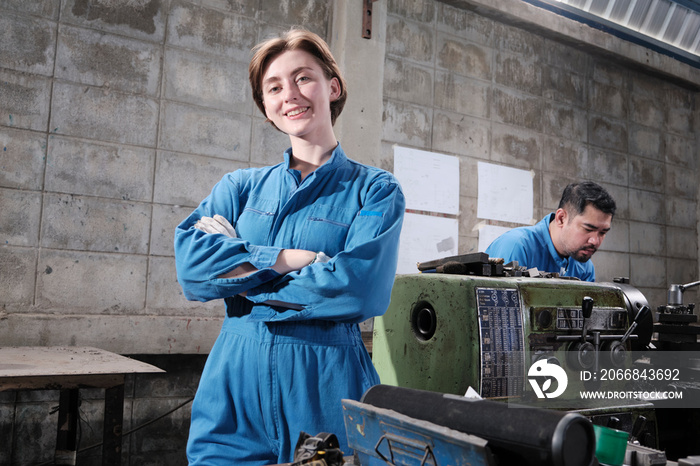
(301, 252)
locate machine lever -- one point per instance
(637, 429)
(587, 311)
(640, 315)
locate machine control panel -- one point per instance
(562, 318)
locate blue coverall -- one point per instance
(532, 247)
(278, 369)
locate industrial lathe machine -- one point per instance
(534, 349)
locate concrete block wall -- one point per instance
(116, 119)
(464, 78)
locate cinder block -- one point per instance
(552, 187)
(647, 174)
(18, 276)
(608, 99)
(647, 238)
(681, 150)
(623, 197)
(681, 212)
(142, 20)
(422, 10)
(564, 86)
(35, 56)
(608, 167)
(45, 8)
(91, 283)
(569, 61)
(564, 121)
(618, 238)
(24, 100)
(682, 242)
(456, 55)
(95, 224)
(647, 103)
(270, 144)
(165, 293)
(679, 107)
(197, 130)
(646, 142)
(409, 40)
(645, 206)
(515, 108)
(647, 271)
(213, 32)
(104, 115)
(313, 14)
(165, 219)
(523, 73)
(89, 57)
(517, 40)
(681, 182)
(462, 95)
(19, 217)
(610, 265)
(409, 125)
(465, 24)
(206, 80)
(22, 156)
(461, 135)
(608, 133)
(197, 174)
(408, 82)
(99, 169)
(516, 147)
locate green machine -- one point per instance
(489, 327)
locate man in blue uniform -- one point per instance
(564, 241)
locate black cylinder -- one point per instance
(516, 434)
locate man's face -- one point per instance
(582, 235)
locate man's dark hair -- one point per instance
(578, 195)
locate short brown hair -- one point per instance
(295, 39)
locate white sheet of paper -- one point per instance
(425, 238)
(505, 194)
(430, 181)
(488, 233)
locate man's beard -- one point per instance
(580, 254)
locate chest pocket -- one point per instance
(255, 222)
(326, 229)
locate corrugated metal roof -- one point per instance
(673, 23)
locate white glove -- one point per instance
(321, 257)
(217, 224)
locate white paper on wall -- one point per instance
(505, 194)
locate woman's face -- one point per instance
(297, 95)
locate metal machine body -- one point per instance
(448, 332)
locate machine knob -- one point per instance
(615, 352)
(581, 355)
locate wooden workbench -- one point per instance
(68, 369)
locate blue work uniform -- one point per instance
(532, 247)
(291, 349)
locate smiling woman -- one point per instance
(301, 252)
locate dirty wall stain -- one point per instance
(138, 15)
